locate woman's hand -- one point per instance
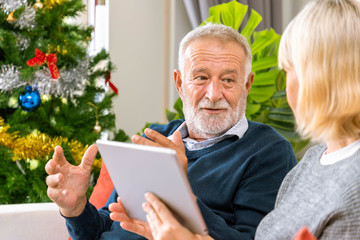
(162, 223)
(119, 214)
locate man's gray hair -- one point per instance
(218, 32)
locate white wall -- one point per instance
(136, 40)
(290, 9)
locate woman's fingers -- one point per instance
(119, 214)
(157, 210)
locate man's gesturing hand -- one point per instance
(67, 184)
(160, 140)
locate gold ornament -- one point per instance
(97, 127)
(11, 18)
(38, 5)
(38, 146)
(51, 3)
(62, 50)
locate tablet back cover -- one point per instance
(137, 169)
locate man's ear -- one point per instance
(249, 82)
(178, 81)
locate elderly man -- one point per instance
(234, 166)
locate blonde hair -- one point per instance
(218, 32)
(322, 44)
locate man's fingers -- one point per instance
(50, 167)
(143, 141)
(59, 156)
(54, 180)
(56, 193)
(158, 138)
(89, 157)
(177, 140)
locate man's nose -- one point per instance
(214, 90)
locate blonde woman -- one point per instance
(320, 51)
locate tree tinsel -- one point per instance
(23, 159)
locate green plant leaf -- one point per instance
(170, 115)
(239, 11)
(252, 108)
(263, 40)
(261, 94)
(209, 20)
(280, 81)
(233, 14)
(264, 63)
(265, 78)
(252, 23)
(286, 111)
(178, 106)
(214, 13)
(227, 16)
(282, 117)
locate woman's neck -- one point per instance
(334, 145)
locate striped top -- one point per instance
(325, 198)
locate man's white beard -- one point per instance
(208, 125)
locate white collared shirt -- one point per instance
(341, 154)
(238, 129)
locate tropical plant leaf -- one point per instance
(264, 63)
(170, 115)
(268, 37)
(233, 13)
(239, 11)
(252, 23)
(214, 13)
(265, 78)
(252, 108)
(262, 93)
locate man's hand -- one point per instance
(67, 184)
(119, 214)
(162, 223)
(160, 140)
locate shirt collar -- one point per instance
(238, 130)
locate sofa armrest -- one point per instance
(32, 221)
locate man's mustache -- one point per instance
(206, 103)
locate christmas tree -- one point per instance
(51, 93)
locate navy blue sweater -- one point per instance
(235, 181)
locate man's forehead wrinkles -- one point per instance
(212, 55)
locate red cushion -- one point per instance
(304, 234)
(103, 188)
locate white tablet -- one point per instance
(137, 169)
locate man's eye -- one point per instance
(229, 80)
(200, 78)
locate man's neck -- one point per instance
(202, 137)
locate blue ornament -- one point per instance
(29, 100)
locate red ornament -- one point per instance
(107, 80)
(51, 60)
